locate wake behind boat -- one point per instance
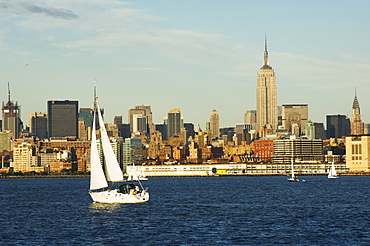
(105, 185)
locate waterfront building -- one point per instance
(294, 118)
(214, 124)
(25, 158)
(39, 125)
(250, 117)
(174, 122)
(11, 117)
(80, 152)
(266, 96)
(141, 112)
(357, 126)
(63, 118)
(357, 153)
(299, 150)
(337, 126)
(264, 149)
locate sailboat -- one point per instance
(108, 186)
(293, 178)
(133, 174)
(332, 173)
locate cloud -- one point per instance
(22, 7)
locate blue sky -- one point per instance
(192, 55)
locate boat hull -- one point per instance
(333, 177)
(293, 179)
(113, 196)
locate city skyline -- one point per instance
(188, 55)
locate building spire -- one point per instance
(355, 105)
(94, 89)
(8, 92)
(266, 56)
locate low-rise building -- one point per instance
(298, 150)
(357, 153)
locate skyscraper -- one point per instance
(144, 112)
(266, 96)
(214, 121)
(39, 124)
(11, 117)
(337, 126)
(63, 118)
(250, 117)
(357, 126)
(118, 120)
(294, 115)
(174, 123)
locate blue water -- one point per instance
(189, 211)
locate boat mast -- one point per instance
(292, 160)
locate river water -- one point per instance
(189, 211)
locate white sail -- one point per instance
(97, 178)
(292, 168)
(113, 171)
(332, 172)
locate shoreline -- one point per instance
(210, 176)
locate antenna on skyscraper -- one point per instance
(8, 92)
(266, 54)
(265, 42)
(94, 89)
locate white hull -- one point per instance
(333, 177)
(292, 179)
(113, 196)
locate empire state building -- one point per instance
(266, 96)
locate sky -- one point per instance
(189, 54)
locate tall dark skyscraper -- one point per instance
(174, 122)
(162, 128)
(39, 124)
(337, 126)
(63, 118)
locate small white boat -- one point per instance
(134, 174)
(108, 186)
(332, 172)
